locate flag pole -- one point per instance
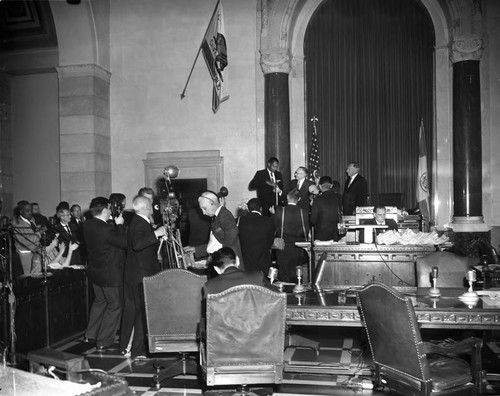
(183, 93)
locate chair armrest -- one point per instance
(470, 345)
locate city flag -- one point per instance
(214, 51)
(422, 180)
(313, 164)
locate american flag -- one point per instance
(313, 165)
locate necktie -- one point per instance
(299, 184)
(272, 177)
(68, 229)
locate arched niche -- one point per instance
(283, 27)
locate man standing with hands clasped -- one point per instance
(269, 185)
(355, 189)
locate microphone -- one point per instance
(223, 192)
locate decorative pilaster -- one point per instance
(276, 67)
(467, 152)
(85, 143)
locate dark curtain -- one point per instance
(369, 81)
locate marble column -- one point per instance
(276, 67)
(467, 153)
(85, 142)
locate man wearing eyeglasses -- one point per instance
(223, 231)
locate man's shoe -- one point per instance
(87, 340)
(140, 357)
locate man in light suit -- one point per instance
(256, 237)
(223, 231)
(142, 260)
(226, 264)
(269, 185)
(302, 184)
(355, 189)
(106, 246)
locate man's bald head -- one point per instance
(142, 205)
(209, 203)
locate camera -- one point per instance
(116, 208)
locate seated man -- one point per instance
(379, 218)
(226, 263)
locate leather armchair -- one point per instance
(403, 362)
(173, 311)
(452, 269)
(245, 337)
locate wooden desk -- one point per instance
(359, 264)
(338, 308)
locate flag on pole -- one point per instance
(313, 164)
(214, 51)
(422, 180)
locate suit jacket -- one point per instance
(355, 194)
(388, 222)
(225, 231)
(64, 236)
(292, 227)
(232, 276)
(304, 202)
(106, 246)
(26, 236)
(256, 238)
(325, 216)
(142, 247)
(264, 191)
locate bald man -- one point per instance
(142, 260)
(224, 231)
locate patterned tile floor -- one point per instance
(330, 372)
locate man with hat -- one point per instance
(325, 211)
(106, 247)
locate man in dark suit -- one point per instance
(106, 245)
(223, 231)
(325, 211)
(380, 219)
(226, 264)
(295, 223)
(355, 189)
(269, 185)
(68, 233)
(256, 237)
(142, 260)
(302, 184)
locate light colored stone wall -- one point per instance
(153, 46)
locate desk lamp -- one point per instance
(434, 291)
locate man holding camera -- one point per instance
(106, 247)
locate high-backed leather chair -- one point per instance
(451, 269)
(406, 364)
(173, 311)
(245, 337)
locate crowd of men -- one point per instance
(121, 247)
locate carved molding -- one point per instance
(466, 49)
(351, 317)
(89, 70)
(205, 164)
(277, 61)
